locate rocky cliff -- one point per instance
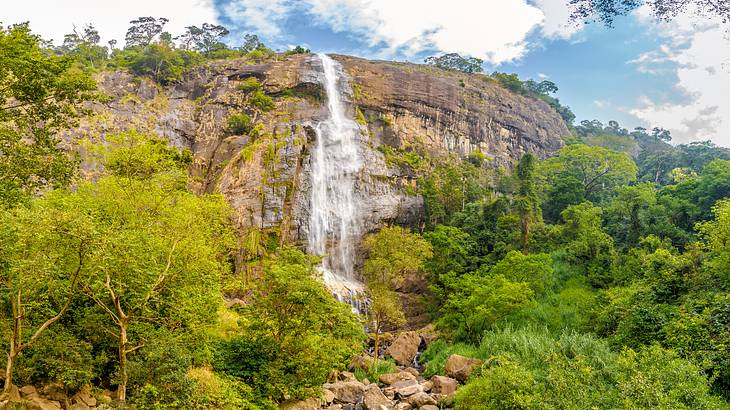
(264, 173)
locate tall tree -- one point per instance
(454, 61)
(45, 250)
(204, 39)
(598, 170)
(143, 31)
(527, 201)
(40, 93)
(163, 251)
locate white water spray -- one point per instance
(334, 225)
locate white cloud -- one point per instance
(699, 54)
(496, 31)
(53, 19)
(557, 22)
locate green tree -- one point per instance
(527, 202)
(454, 61)
(384, 311)
(587, 246)
(534, 270)
(393, 254)
(293, 333)
(480, 301)
(205, 39)
(40, 93)
(45, 250)
(144, 30)
(599, 170)
(163, 250)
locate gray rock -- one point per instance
(404, 348)
(444, 385)
(460, 367)
(346, 392)
(374, 399)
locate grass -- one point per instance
(376, 369)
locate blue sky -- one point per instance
(640, 73)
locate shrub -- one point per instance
(250, 84)
(239, 123)
(262, 101)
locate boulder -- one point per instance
(346, 392)
(362, 362)
(404, 348)
(406, 388)
(27, 391)
(311, 403)
(79, 405)
(460, 367)
(374, 399)
(14, 394)
(429, 407)
(84, 396)
(390, 378)
(402, 406)
(421, 399)
(412, 371)
(346, 377)
(444, 385)
(328, 396)
(39, 403)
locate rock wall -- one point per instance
(265, 174)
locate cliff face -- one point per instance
(265, 173)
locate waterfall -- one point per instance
(334, 225)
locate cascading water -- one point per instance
(334, 225)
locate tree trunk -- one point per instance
(123, 377)
(377, 345)
(525, 235)
(9, 371)
(14, 345)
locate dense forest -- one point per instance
(595, 278)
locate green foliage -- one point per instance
(250, 84)
(262, 101)
(453, 61)
(597, 169)
(292, 334)
(477, 302)
(403, 158)
(394, 253)
(448, 187)
(377, 368)
(40, 94)
(239, 123)
(158, 61)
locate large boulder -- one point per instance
(444, 385)
(390, 378)
(311, 403)
(374, 399)
(404, 348)
(346, 392)
(39, 403)
(421, 399)
(460, 367)
(406, 388)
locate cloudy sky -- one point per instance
(640, 73)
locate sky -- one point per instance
(641, 72)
